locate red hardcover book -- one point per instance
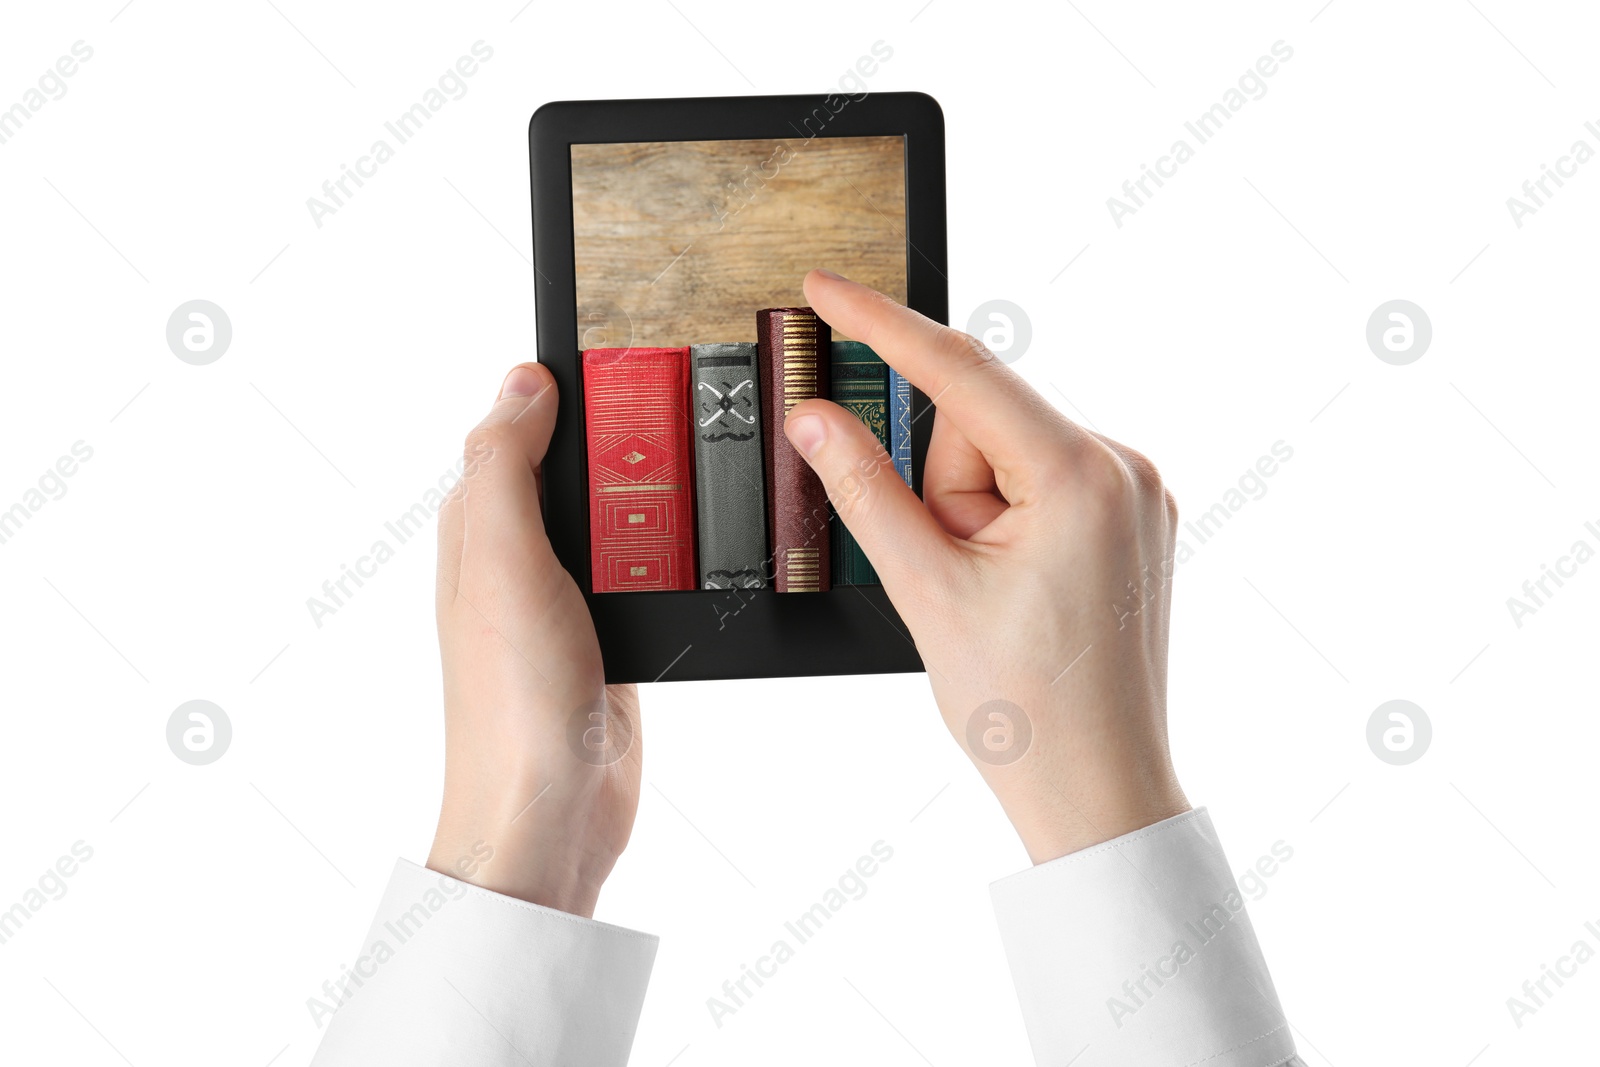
(792, 344)
(641, 481)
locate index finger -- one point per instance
(992, 406)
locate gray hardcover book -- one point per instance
(730, 493)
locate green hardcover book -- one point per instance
(860, 385)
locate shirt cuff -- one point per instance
(452, 973)
(1139, 951)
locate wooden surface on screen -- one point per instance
(681, 242)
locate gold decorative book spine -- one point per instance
(803, 569)
(799, 361)
(792, 347)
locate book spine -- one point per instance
(860, 385)
(728, 470)
(792, 351)
(900, 424)
(641, 504)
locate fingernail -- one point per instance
(807, 433)
(522, 381)
(831, 274)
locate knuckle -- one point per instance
(483, 441)
(962, 349)
(1144, 471)
(1105, 485)
(482, 456)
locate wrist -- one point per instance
(1060, 821)
(521, 851)
(503, 870)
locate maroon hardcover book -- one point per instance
(792, 346)
(641, 481)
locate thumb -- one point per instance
(524, 413)
(503, 453)
(896, 532)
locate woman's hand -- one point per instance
(1034, 574)
(542, 758)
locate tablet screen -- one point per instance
(684, 254)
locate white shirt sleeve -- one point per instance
(451, 973)
(1139, 952)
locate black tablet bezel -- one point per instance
(710, 634)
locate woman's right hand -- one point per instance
(1035, 576)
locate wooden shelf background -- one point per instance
(681, 242)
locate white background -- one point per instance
(1226, 315)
